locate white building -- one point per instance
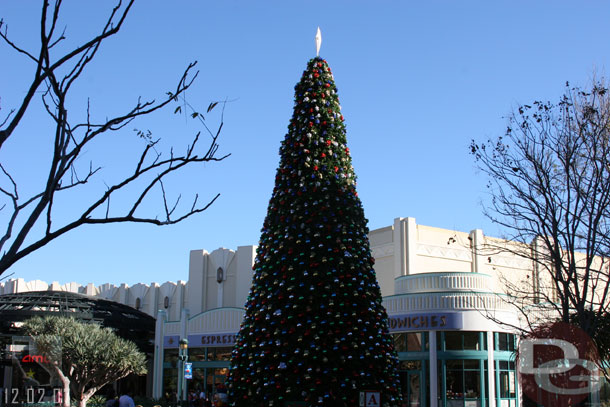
(441, 290)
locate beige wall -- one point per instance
(402, 248)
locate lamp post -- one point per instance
(183, 356)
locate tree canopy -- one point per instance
(84, 356)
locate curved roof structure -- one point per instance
(126, 321)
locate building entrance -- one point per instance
(411, 381)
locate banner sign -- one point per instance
(425, 322)
(188, 370)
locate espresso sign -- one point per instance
(425, 322)
(220, 339)
(203, 340)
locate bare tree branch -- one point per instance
(111, 28)
(549, 180)
(70, 140)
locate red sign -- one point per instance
(35, 359)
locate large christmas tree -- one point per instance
(315, 329)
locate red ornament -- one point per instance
(323, 155)
(328, 142)
(315, 168)
(327, 85)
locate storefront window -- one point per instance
(223, 353)
(464, 340)
(411, 342)
(471, 341)
(504, 341)
(459, 382)
(414, 382)
(170, 380)
(198, 381)
(453, 340)
(506, 374)
(454, 380)
(410, 365)
(197, 354)
(170, 355)
(400, 342)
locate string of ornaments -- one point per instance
(314, 329)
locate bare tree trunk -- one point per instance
(85, 396)
(66, 389)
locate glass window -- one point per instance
(456, 340)
(471, 340)
(471, 364)
(410, 365)
(472, 384)
(454, 380)
(507, 384)
(414, 342)
(400, 343)
(197, 354)
(507, 379)
(170, 355)
(486, 377)
(410, 342)
(170, 380)
(222, 353)
(505, 341)
(453, 340)
(463, 380)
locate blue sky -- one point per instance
(417, 82)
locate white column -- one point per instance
(158, 355)
(245, 261)
(198, 262)
(405, 246)
(491, 371)
(433, 378)
(411, 244)
(221, 289)
(476, 241)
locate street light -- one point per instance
(183, 356)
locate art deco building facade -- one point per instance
(444, 294)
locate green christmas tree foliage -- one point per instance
(315, 329)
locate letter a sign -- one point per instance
(372, 399)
